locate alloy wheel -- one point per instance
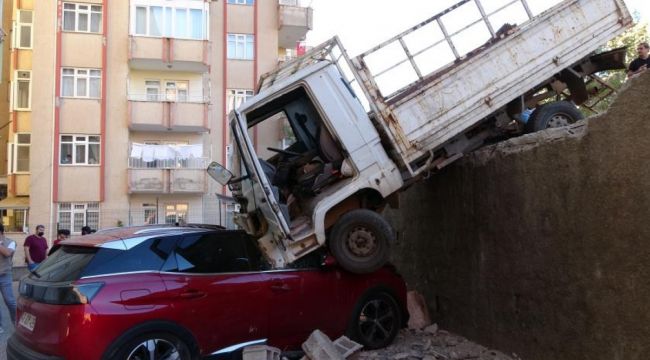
(377, 321)
(155, 349)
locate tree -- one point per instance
(630, 39)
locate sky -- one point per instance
(363, 24)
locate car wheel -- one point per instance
(376, 321)
(154, 346)
(359, 241)
(556, 114)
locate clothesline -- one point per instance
(149, 152)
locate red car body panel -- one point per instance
(280, 307)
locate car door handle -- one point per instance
(192, 294)
(280, 287)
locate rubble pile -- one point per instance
(432, 344)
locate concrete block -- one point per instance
(319, 347)
(346, 347)
(261, 352)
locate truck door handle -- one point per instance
(278, 287)
(192, 294)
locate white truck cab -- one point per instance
(351, 147)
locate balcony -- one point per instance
(154, 53)
(180, 116)
(294, 22)
(171, 176)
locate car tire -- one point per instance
(555, 114)
(159, 344)
(360, 240)
(376, 320)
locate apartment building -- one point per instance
(127, 102)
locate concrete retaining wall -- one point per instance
(541, 245)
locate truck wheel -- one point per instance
(556, 114)
(359, 241)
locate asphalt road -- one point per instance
(6, 325)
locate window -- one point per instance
(176, 90)
(22, 90)
(81, 83)
(150, 255)
(150, 213)
(212, 253)
(236, 97)
(20, 153)
(24, 33)
(163, 20)
(241, 46)
(152, 90)
(79, 150)
(241, 2)
(82, 17)
(15, 220)
(175, 213)
(74, 216)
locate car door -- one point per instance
(219, 297)
(301, 300)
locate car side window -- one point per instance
(149, 255)
(219, 252)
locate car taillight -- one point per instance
(66, 294)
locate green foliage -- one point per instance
(630, 39)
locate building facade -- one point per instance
(126, 105)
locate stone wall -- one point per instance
(541, 245)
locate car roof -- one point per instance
(105, 236)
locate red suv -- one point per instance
(191, 292)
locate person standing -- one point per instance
(641, 63)
(7, 250)
(61, 234)
(35, 248)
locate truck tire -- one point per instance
(556, 114)
(360, 240)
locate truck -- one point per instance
(360, 130)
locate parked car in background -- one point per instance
(165, 292)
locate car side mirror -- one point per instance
(328, 261)
(219, 173)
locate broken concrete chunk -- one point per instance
(261, 352)
(346, 347)
(319, 347)
(418, 312)
(431, 329)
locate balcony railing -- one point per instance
(186, 114)
(154, 53)
(167, 176)
(168, 164)
(194, 99)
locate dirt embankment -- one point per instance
(541, 245)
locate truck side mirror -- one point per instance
(219, 173)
